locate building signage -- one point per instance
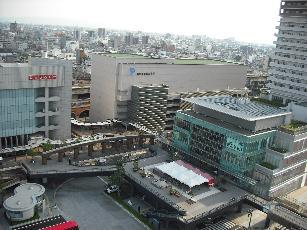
(42, 77)
(132, 72)
(145, 74)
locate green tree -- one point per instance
(31, 153)
(136, 165)
(174, 156)
(47, 146)
(117, 177)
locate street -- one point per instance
(83, 200)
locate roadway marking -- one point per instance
(119, 205)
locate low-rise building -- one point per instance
(28, 199)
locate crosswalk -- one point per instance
(224, 225)
(280, 227)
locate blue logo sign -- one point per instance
(132, 71)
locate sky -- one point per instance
(246, 20)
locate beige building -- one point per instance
(113, 76)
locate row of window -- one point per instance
(291, 24)
(291, 79)
(290, 71)
(293, 41)
(293, 57)
(281, 62)
(301, 34)
(290, 87)
(291, 48)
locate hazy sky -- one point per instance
(246, 20)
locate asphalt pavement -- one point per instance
(83, 200)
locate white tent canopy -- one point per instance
(182, 174)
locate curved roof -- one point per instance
(24, 198)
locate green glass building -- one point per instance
(227, 133)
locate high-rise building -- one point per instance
(91, 33)
(77, 35)
(62, 41)
(129, 39)
(35, 99)
(288, 68)
(145, 39)
(101, 32)
(13, 27)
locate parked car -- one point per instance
(112, 188)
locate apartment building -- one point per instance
(288, 68)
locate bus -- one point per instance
(68, 225)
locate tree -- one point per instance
(31, 152)
(135, 165)
(117, 177)
(47, 146)
(174, 156)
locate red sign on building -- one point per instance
(42, 77)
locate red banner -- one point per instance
(42, 77)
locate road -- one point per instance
(83, 200)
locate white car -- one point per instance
(112, 188)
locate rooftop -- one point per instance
(184, 61)
(10, 65)
(185, 173)
(24, 198)
(125, 55)
(238, 107)
(200, 62)
(222, 124)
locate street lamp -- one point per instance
(250, 214)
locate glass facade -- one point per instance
(216, 145)
(17, 112)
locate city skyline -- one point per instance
(240, 22)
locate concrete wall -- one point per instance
(23, 215)
(63, 69)
(298, 111)
(112, 79)
(103, 88)
(16, 76)
(183, 78)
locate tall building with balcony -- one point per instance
(148, 106)
(288, 69)
(35, 99)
